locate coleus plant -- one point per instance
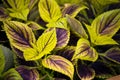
(47, 39)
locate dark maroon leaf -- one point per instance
(28, 74)
(67, 52)
(102, 70)
(113, 54)
(84, 72)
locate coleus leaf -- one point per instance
(34, 25)
(27, 73)
(103, 40)
(32, 3)
(77, 27)
(62, 2)
(19, 34)
(20, 10)
(107, 24)
(63, 36)
(72, 10)
(45, 43)
(20, 15)
(3, 15)
(84, 51)
(102, 69)
(49, 10)
(20, 4)
(6, 59)
(84, 72)
(61, 23)
(59, 64)
(67, 52)
(12, 74)
(113, 54)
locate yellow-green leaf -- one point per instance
(59, 64)
(20, 15)
(61, 23)
(45, 43)
(103, 40)
(49, 10)
(84, 51)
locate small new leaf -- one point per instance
(59, 64)
(84, 51)
(49, 10)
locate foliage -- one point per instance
(59, 39)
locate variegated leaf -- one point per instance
(77, 27)
(67, 52)
(12, 74)
(27, 73)
(19, 35)
(113, 54)
(84, 51)
(63, 36)
(72, 10)
(59, 64)
(49, 10)
(44, 45)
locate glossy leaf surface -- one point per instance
(49, 10)
(77, 27)
(59, 64)
(19, 35)
(84, 72)
(84, 51)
